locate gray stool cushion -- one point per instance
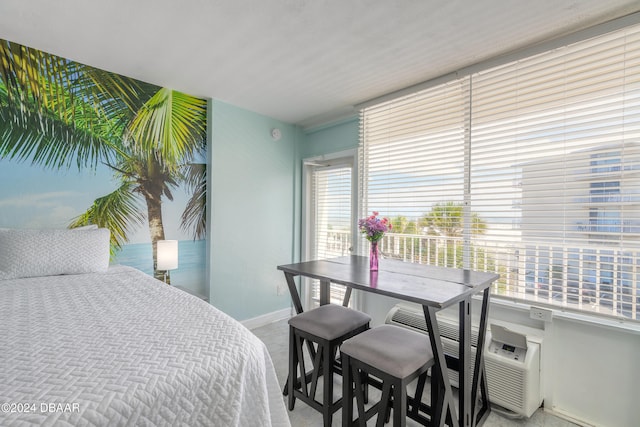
(391, 349)
(329, 321)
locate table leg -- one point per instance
(445, 407)
(479, 373)
(347, 296)
(293, 290)
(325, 292)
(464, 360)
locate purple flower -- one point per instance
(373, 227)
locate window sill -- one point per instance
(632, 327)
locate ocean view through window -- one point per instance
(530, 169)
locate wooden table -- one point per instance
(434, 288)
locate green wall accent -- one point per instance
(255, 204)
(252, 211)
(330, 139)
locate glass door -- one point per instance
(329, 215)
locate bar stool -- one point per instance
(394, 355)
(327, 327)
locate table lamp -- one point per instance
(167, 257)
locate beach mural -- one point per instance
(80, 145)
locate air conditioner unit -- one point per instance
(512, 358)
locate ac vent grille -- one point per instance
(410, 319)
(448, 329)
(508, 384)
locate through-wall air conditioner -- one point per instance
(512, 357)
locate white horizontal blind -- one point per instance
(554, 189)
(331, 219)
(411, 161)
(555, 173)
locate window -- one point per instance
(329, 215)
(530, 169)
(331, 211)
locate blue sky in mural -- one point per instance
(33, 197)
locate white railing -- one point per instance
(590, 278)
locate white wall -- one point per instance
(593, 372)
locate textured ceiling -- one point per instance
(299, 61)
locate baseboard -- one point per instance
(265, 319)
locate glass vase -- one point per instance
(373, 256)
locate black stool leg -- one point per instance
(365, 385)
(399, 404)
(437, 395)
(347, 391)
(386, 403)
(415, 409)
(327, 389)
(356, 376)
(389, 407)
(293, 368)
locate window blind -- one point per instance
(411, 161)
(530, 169)
(331, 198)
(331, 219)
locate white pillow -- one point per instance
(31, 253)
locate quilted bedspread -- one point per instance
(122, 349)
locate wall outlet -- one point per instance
(539, 313)
(281, 289)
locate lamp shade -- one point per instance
(167, 255)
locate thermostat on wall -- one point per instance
(276, 134)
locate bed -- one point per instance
(114, 346)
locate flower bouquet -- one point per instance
(373, 229)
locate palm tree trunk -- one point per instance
(156, 228)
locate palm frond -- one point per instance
(38, 79)
(114, 92)
(47, 81)
(22, 70)
(172, 125)
(119, 211)
(45, 140)
(194, 216)
(40, 88)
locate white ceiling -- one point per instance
(299, 61)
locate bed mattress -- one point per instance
(123, 349)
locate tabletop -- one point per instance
(428, 285)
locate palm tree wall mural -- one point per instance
(58, 114)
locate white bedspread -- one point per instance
(121, 349)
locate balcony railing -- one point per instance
(589, 278)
